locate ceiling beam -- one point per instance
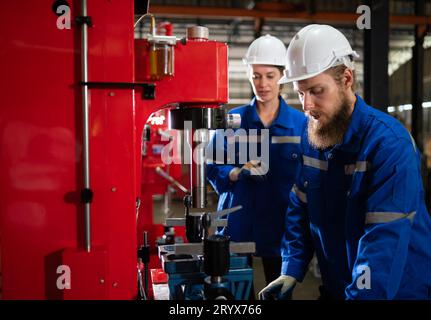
(290, 16)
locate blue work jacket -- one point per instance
(360, 206)
(264, 203)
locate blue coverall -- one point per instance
(360, 206)
(264, 203)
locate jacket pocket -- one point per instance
(290, 157)
(312, 184)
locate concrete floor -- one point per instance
(307, 290)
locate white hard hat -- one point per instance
(314, 49)
(267, 50)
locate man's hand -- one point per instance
(253, 169)
(279, 289)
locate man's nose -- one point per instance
(307, 102)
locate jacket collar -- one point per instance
(283, 119)
(355, 131)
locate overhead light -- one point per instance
(405, 107)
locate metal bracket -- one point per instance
(148, 89)
(80, 20)
(86, 195)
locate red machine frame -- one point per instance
(41, 214)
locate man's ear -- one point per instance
(348, 78)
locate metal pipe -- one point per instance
(152, 22)
(85, 116)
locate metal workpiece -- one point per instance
(215, 218)
(197, 33)
(181, 222)
(197, 248)
(175, 222)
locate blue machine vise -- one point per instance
(186, 276)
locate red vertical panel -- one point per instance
(41, 148)
(39, 155)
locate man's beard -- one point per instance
(322, 136)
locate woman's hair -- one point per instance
(281, 69)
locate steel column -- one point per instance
(376, 48)
(418, 77)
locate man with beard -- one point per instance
(358, 201)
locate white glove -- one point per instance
(279, 289)
(253, 169)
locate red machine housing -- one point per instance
(41, 215)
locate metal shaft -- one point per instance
(85, 118)
(198, 169)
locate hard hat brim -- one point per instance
(286, 79)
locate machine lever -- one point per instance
(171, 180)
(221, 213)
